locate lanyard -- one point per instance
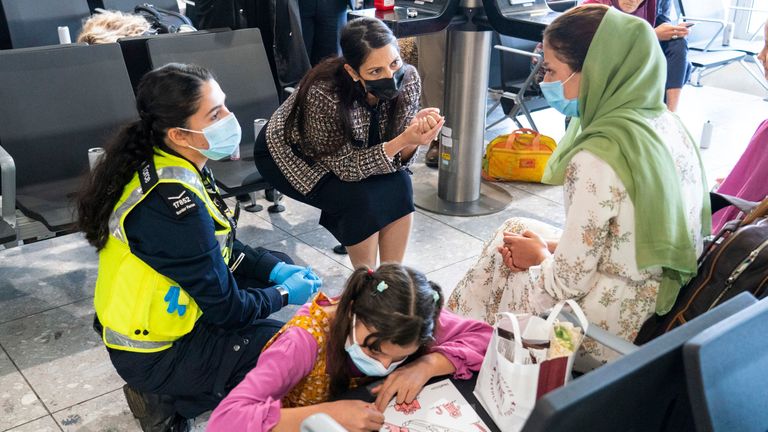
(210, 186)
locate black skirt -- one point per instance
(350, 211)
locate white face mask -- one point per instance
(223, 137)
(365, 363)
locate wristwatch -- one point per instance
(283, 293)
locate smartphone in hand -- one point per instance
(688, 24)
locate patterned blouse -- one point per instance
(594, 262)
(353, 161)
(291, 370)
(316, 386)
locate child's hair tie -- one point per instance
(436, 296)
(370, 272)
(380, 288)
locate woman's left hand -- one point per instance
(427, 118)
(426, 112)
(527, 249)
(406, 382)
(666, 31)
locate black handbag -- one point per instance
(162, 20)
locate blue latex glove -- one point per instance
(301, 285)
(311, 275)
(282, 271)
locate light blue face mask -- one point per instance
(223, 137)
(554, 94)
(364, 363)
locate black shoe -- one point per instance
(155, 413)
(433, 155)
(180, 424)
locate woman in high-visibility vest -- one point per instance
(180, 304)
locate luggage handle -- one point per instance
(761, 210)
(510, 142)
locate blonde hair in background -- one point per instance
(109, 26)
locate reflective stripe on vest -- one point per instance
(192, 181)
(113, 338)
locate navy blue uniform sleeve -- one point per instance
(185, 250)
(258, 262)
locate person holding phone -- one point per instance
(342, 143)
(672, 38)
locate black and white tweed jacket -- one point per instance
(352, 161)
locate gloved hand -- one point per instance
(282, 271)
(301, 285)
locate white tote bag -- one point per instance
(511, 378)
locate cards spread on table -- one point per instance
(440, 407)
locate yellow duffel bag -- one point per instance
(519, 156)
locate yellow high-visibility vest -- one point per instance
(135, 303)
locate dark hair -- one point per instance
(571, 34)
(405, 312)
(358, 38)
(166, 98)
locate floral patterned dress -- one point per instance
(594, 262)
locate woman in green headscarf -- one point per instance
(635, 196)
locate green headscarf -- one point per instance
(622, 84)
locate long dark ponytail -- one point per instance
(405, 312)
(358, 38)
(166, 98)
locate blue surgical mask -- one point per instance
(223, 138)
(366, 364)
(554, 94)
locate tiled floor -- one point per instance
(55, 374)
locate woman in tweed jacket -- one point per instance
(342, 143)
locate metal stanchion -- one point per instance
(460, 191)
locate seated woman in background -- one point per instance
(109, 26)
(343, 140)
(382, 319)
(749, 178)
(635, 197)
(670, 36)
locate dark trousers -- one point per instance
(200, 369)
(678, 67)
(203, 366)
(321, 24)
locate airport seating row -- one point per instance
(59, 101)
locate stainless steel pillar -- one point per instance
(462, 142)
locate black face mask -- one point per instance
(386, 88)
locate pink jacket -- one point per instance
(748, 179)
(254, 405)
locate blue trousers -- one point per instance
(678, 67)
